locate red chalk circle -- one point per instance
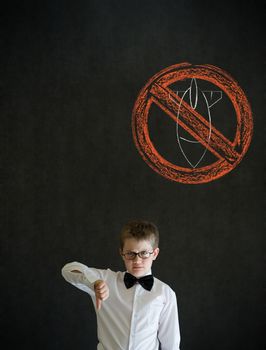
(228, 153)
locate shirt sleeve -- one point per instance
(168, 332)
(83, 280)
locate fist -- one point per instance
(101, 292)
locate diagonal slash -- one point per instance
(193, 123)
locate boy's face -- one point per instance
(138, 267)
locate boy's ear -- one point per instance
(155, 253)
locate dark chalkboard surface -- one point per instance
(70, 75)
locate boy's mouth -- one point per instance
(137, 267)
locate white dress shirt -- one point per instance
(130, 319)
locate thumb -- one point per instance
(98, 303)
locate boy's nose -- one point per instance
(137, 259)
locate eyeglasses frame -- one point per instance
(137, 254)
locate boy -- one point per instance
(135, 311)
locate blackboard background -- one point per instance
(70, 74)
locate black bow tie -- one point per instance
(145, 281)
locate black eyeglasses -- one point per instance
(132, 255)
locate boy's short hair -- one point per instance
(140, 230)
